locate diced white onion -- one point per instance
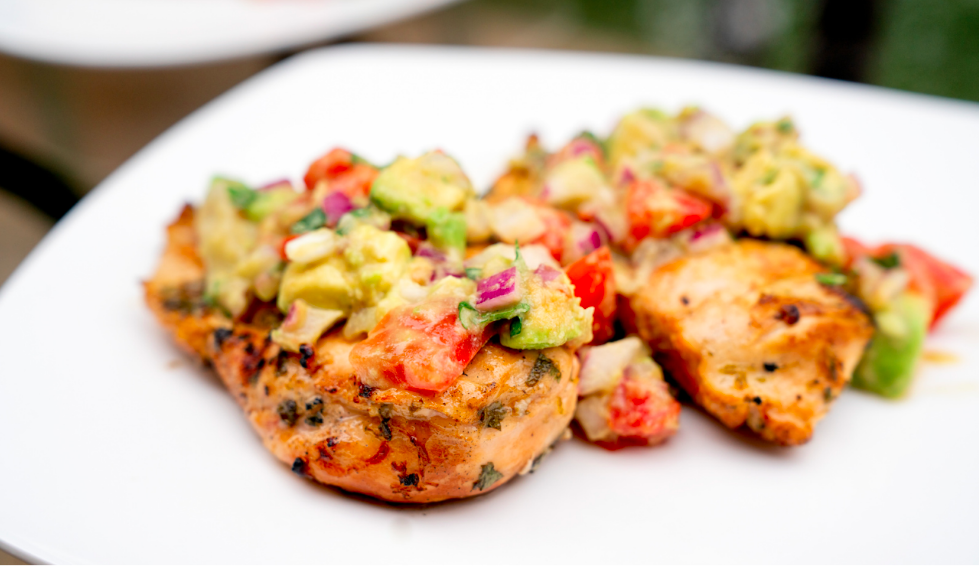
(304, 325)
(602, 366)
(515, 220)
(592, 415)
(572, 182)
(311, 246)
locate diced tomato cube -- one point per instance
(282, 246)
(420, 347)
(655, 210)
(941, 283)
(938, 280)
(642, 409)
(351, 178)
(593, 278)
(558, 225)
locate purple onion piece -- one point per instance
(547, 273)
(276, 183)
(720, 184)
(605, 225)
(335, 205)
(498, 290)
(627, 177)
(590, 243)
(705, 230)
(426, 250)
(445, 271)
(603, 233)
(580, 146)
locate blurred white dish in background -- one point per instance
(115, 448)
(156, 33)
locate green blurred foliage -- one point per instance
(916, 45)
(929, 47)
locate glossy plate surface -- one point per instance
(156, 33)
(115, 448)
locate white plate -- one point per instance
(152, 33)
(114, 448)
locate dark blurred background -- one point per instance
(62, 130)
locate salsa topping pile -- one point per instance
(408, 260)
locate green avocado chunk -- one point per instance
(418, 189)
(447, 230)
(888, 365)
(553, 319)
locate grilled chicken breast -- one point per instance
(506, 410)
(751, 335)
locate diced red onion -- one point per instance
(293, 317)
(446, 270)
(602, 366)
(498, 290)
(590, 243)
(547, 273)
(426, 250)
(627, 177)
(276, 183)
(704, 230)
(582, 146)
(607, 219)
(335, 205)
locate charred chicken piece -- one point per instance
(315, 415)
(753, 336)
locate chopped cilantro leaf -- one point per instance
(831, 279)
(312, 221)
(241, 196)
(356, 159)
(769, 176)
(892, 260)
(492, 416)
(542, 367)
(488, 476)
(817, 178)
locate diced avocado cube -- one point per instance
(770, 196)
(224, 237)
(376, 259)
(267, 202)
(447, 230)
(414, 189)
(638, 131)
(322, 285)
(824, 244)
(888, 365)
(553, 319)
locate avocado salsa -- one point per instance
(408, 260)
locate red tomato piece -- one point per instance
(938, 280)
(338, 167)
(282, 247)
(593, 278)
(655, 210)
(422, 348)
(558, 225)
(642, 409)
